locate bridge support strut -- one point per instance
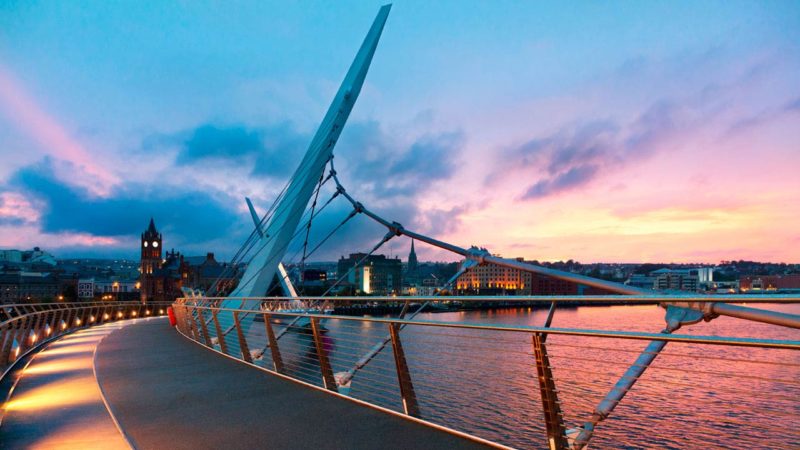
(553, 419)
(410, 405)
(322, 353)
(277, 361)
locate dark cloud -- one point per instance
(575, 155)
(575, 176)
(386, 164)
(270, 151)
(380, 165)
(193, 215)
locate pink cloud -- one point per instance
(51, 135)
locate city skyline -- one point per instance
(635, 135)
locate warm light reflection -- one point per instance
(105, 316)
(60, 365)
(70, 349)
(58, 394)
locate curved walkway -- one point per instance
(139, 382)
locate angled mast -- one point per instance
(279, 230)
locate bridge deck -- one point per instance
(164, 389)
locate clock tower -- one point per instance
(150, 260)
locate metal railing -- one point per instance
(25, 326)
(532, 386)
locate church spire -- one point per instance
(152, 227)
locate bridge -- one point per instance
(239, 368)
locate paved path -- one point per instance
(57, 402)
(168, 392)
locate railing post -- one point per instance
(21, 332)
(220, 337)
(9, 342)
(40, 318)
(190, 319)
(187, 325)
(55, 321)
(324, 363)
(277, 361)
(201, 318)
(553, 419)
(67, 322)
(242, 341)
(24, 337)
(410, 405)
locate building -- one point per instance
(29, 257)
(151, 262)
(86, 288)
(770, 283)
(205, 273)
(162, 278)
(376, 274)
(28, 287)
(640, 280)
(687, 279)
(493, 279)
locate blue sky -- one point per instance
(471, 111)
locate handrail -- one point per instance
(320, 349)
(629, 299)
(714, 340)
(71, 305)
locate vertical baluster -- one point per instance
(21, 335)
(277, 361)
(10, 332)
(191, 319)
(242, 341)
(553, 419)
(202, 319)
(409, 397)
(322, 353)
(220, 338)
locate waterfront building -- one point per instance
(377, 274)
(492, 279)
(770, 283)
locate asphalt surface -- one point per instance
(168, 392)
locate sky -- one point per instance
(592, 131)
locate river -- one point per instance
(484, 382)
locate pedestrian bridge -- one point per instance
(116, 375)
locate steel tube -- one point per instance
(758, 315)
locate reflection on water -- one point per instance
(484, 382)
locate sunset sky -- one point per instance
(593, 131)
